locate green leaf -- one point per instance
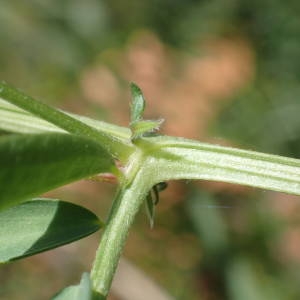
(144, 126)
(150, 209)
(137, 103)
(152, 200)
(42, 224)
(177, 158)
(16, 120)
(82, 291)
(62, 120)
(139, 126)
(33, 164)
(159, 187)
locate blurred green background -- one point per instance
(225, 72)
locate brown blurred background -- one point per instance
(225, 72)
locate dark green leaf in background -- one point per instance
(33, 164)
(42, 224)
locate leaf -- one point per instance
(45, 112)
(152, 200)
(159, 187)
(14, 119)
(150, 209)
(82, 291)
(33, 164)
(42, 224)
(139, 126)
(177, 158)
(62, 120)
(144, 126)
(137, 103)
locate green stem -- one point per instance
(126, 204)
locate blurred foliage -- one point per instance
(219, 70)
(46, 43)
(242, 260)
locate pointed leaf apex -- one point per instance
(137, 103)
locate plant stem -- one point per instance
(126, 204)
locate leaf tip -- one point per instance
(137, 103)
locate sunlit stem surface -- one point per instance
(129, 198)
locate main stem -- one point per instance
(126, 204)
